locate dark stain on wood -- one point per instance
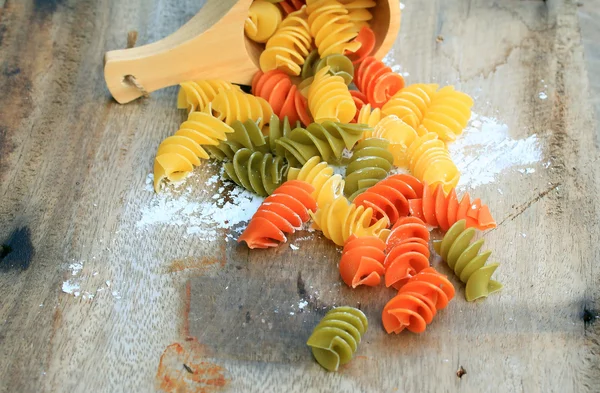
(11, 71)
(461, 372)
(589, 317)
(44, 8)
(18, 251)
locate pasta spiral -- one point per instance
(288, 47)
(407, 251)
(390, 198)
(285, 99)
(448, 114)
(464, 258)
(326, 140)
(366, 37)
(263, 20)
(417, 302)
(336, 338)
(329, 98)
(369, 117)
(362, 261)
(339, 65)
(317, 173)
(331, 27)
(358, 11)
(282, 212)
(360, 100)
(289, 6)
(430, 162)
(410, 104)
(342, 219)
(371, 162)
(440, 210)
(196, 95)
(232, 105)
(377, 81)
(178, 154)
(255, 171)
(399, 134)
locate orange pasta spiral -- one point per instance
(440, 210)
(362, 261)
(407, 251)
(417, 302)
(282, 212)
(390, 197)
(277, 88)
(289, 46)
(331, 27)
(377, 81)
(289, 6)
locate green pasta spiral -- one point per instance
(370, 163)
(335, 339)
(338, 65)
(326, 140)
(255, 171)
(464, 258)
(248, 135)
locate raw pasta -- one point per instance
(263, 20)
(331, 27)
(448, 114)
(417, 302)
(326, 140)
(360, 100)
(410, 104)
(430, 162)
(342, 219)
(390, 198)
(255, 171)
(377, 81)
(407, 251)
(317, 173)
(336, 338)
(464, 258)
(288, 47)
(285, 99)
(308, 68)
(371, 162)
(339, 65)
(289, 6)
(283, 212)
(245, 135)
(367, 39)
(368, 117)
(232, 105)
(330, 99)
(358, 11)
(440, 210)
(362, 261)
(399, 134)
(178, 154)
(196, 95)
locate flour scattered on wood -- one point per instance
(227, 208)
(486, 149)
(71, 287)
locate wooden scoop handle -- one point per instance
(203, 49)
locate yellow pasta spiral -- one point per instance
(317, 173)
(178, 154)
(448, 114)
(195, 95)
(232, 105)
(411, 103)
(341, 219)
(358, 11)
(399, 134)
(289, 46)
(430, 162)
(263, 20)
(369, 117)
(330, 99)
(331, 26)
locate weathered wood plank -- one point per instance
(72, 171)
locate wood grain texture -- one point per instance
(73, 165)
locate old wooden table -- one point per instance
(73, 166)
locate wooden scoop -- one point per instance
(212, 45)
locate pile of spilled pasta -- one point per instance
(319, 100)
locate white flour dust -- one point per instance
(485, 149)
(224, 209)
